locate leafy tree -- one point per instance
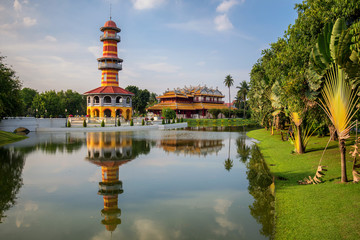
(27, 96)
(168, 113)
(214, 112)
(229, 81)
(141, 99)
(10, 98)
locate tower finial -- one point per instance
(110, 11)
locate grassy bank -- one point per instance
(329, 210)
(6, 138)
(223, 122)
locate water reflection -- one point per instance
(11, 167)
(110, 150)
(260, 180)
(201, 147)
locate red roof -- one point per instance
(110, 90)
(110, 24)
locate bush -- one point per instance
(163, 121)
(68, 123)
(181, 120)
(84, 123)
(132, 122)
(102, 123)
(118, 122)
(173, 121)
(177, 120)
(143, 122)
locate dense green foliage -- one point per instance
(285, 77)
(10, 97)
(168, 113)
(142, 99)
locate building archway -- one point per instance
(107, 113)
(96, 113)
(118, 99)
(118, 112)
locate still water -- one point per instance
(177, 184)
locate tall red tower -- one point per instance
(109, 100)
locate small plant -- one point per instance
(143, 122)
(84, 123)
(118, 122)
(163, 121)
(173, 121)
(181, 120)
(132, 122)
(177, 120)
(68, 123)
(102, 123)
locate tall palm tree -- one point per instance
(229, 81)
(243, 91)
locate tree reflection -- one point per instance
(260, 179)
(243, 149)
(11, 167)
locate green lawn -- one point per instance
(329, 210)
(7, 137)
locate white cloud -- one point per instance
(50, 38)
(226, 5)
(29, 21)
(95, 50)
(161, 67)
(222, 206)
(148, 229)
(200, 26)
(17, 6)
(146, 4)
(222, 23)
(2, 8)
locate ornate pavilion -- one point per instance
(190, 102)
(109, 100)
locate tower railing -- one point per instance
(110, 37)
(102, 65)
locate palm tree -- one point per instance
(340, 105)
(243, 91)
(229, 81)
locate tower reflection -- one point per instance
(110, 150)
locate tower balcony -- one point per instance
(110, 37)
(105, 65)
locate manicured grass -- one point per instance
(219, 122)
(6, 137)
(329, 210)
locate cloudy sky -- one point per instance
(54, 44)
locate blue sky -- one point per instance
(53, 44)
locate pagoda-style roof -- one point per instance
(110, 25)
(187, 106)
(189, 92)
(109, 90)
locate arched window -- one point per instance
(128, 100)
(89, 100)
(107, 99)
(96, 99)
(118, 99)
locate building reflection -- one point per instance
(110, 150)
(201, 147)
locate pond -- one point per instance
(178, 184)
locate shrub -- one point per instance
(131, 122)
(177, 120)
(163, 121)
(173, 121)
(84, 123)
(118, 122)
(68, 123)
(181, 120)
(102, 123)
(143, 122)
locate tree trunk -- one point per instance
(333, 133)
(343, 160)
(300, 148)
(229, 103)
(244, 116)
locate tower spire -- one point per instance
(110, 11)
